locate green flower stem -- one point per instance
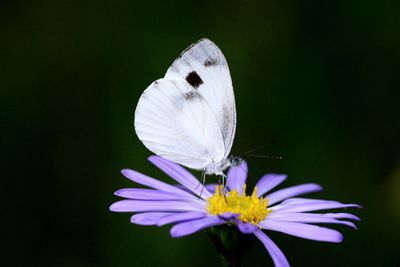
(230, 243)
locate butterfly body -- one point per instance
(217, 168)
(189, 116)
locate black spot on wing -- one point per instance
(210, 62)
(194, 79)
(191, 95)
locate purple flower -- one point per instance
(192, 207)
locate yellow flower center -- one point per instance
(250, 208)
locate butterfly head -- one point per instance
(234, 160)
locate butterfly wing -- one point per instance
(204, 67)
(189, 116)
(174, 121)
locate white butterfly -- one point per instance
(189, 116)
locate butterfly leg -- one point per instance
(203, 182)
(224, 184)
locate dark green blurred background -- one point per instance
(321, 77)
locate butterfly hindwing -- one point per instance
(174, 121)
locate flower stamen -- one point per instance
(251, 208)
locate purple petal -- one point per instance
(302, 230)
(306, 218)
(292, 192)
(276, 254)
(150, 194)
(277, 214)
(211, 187)
(181, 175)
(149, 206)
(190, 227)
(183, 188)
(148, 218)
(268, 182)
(179, 217)
(228, 216)
(236, 177)
(342, 216)
(153, 183)
(246, 228)
(305, 205)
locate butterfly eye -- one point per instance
(235, 161)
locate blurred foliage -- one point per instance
(321, 77)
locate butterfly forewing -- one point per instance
(204, 68)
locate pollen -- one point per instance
(251, 209)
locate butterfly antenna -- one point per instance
(265, 157)
(256, 149)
